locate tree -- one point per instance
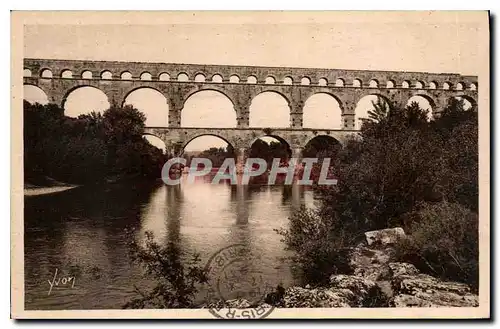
(216, 155)
(123, 124)
(269, 151)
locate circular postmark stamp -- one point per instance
(236, 291)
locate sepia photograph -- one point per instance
(250, 165)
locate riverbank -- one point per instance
(46, 185)
(33, 190)
(42, 185)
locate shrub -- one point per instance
(443, 241)
(319, 245)
(176, 283)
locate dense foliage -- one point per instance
(400, 162)
(216, 155)
(260, 149)
(268, 151)
(444, 241)
(92, 148)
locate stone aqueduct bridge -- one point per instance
(177, 82)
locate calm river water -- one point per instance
(84, 233)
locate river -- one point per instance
(84, 233)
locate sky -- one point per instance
(431, 42)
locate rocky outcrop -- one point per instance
(296, 297)
(234, 303)
(414, 289)
(402, 284)
(364, 292)
(384, 283)
(342, 291)
(370, 263)
(385, 236)
(399, 269)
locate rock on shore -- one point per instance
(239, 303)
(379, 282)
(414, 289)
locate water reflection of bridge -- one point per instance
(202, 203)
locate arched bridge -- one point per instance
(177, 82)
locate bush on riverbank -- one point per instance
(91, 148)
(319, 243)
(176, 283)
(443, 242)
(401, 161)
